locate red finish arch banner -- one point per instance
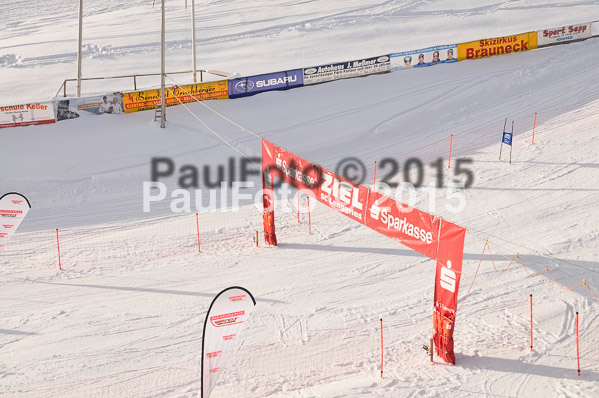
(224, 322)
(411, 227)
(447, 284)
(423, 232)
(13, 209)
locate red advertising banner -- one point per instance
(330, 189)
(447, 283)
(343, 195)
(268, 199)
(411, 227)
(295, 171)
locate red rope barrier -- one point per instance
(531, 274)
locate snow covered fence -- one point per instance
(121, 244)
(133, 101)
(293, 362)
(543, 123)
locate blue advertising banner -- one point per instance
(425, 57)
(507, 138)
(271, 81)
(344, 70)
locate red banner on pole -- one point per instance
(411, 227)
(343, 195)
(447, 283)
(268, 198)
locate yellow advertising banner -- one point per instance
(143, 100)
(498, 46)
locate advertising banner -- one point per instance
(343, 195)
(148, 99)
(295, 171)
(563, 34)
(13, 209)
(328, 188)
(26, 114)
(425, 57)
(497, 46)
(224, 322)
(108, 104)
(268, 215)
(245, 86)
(447, 284)
(344, 70)
(595, 28)
(409, 226)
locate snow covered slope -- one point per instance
(38, 47)
(133, 292)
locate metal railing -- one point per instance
(63, 86)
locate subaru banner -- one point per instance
(245, 86)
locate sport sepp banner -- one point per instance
(447, 284)
(108, 104)
(224, 322)
(148, 99)
(344, 70)
(26, 114)
(251, 85)
(13, 209)
(409, 226)
(563, 34)
(497, 46)
(425, 57)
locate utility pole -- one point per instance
(162, 74)
(79, 48)
(193, 39)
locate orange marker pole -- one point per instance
(198, 229)
(534, 125)
(309, 218)
(374, 179)
(577, 344)
(531, 322)
(381, 348)
(298, 206)
(450, 145)
(58, 248)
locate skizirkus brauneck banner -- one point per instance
(344, 70)
(563, 34)
(13, 209)
(225, 320)
(271, 81)
(425, 57)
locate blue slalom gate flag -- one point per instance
(507, 138)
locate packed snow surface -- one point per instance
(133, 291)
